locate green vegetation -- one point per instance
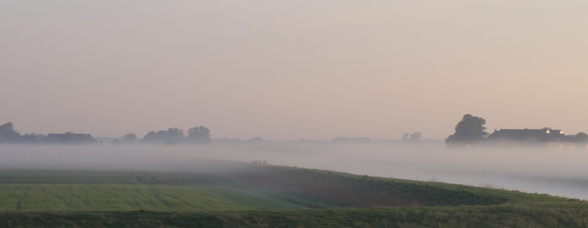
(363, 191)
(470, 129)
(573, 215)
(122, 197)
(267, 196)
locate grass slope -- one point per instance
(363, 191)
(267, 196)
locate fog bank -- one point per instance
(556, 172)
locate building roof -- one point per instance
(544, 135)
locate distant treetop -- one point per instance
(196, 135)
(470, 129)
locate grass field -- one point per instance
(267, 196)
(123, 197)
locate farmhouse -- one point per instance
(549, 137)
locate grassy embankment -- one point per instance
(267, 196)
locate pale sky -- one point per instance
(286, 70)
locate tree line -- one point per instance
(9, 135)
(195, 135)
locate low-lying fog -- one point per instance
(556, 172)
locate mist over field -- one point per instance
(211, 107)
(555, 172)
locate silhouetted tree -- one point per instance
(415, 137)
(405, 136)
(470, 129)
(130, 138)
(582, 137)
(175, 133)
(200, 135)
(172, 134)
(8, 134)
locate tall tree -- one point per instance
(582, 137)
(172, 134)
(8, 134)
(199, 135)
(130, 138)
(415, 137)
(470, 129)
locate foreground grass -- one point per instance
(267, 196)
(573, 215)
(124, 197)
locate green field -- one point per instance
(123, 197)
(250, 195)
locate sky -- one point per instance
(286, 70)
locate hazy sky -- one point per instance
(292, 69)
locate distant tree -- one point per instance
(470, 129)
(130, 138)
(8, 134)
(415, 137)
(405, 137)
(582, 137)
(172, 134)
(175, 133)
(152, 136)
(200, 135)
(255, 140)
